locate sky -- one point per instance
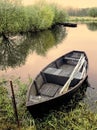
(68, 3)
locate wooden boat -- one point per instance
(57, 82)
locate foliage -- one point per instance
(43, 16)
(39, 16)
(84, 12)
(92, 26)
(12, 17)
(14, 52)
(60, 15)
(16, 18)
(78, 12)
(7, 117)
(6, 109)
(93, 12)
(83, 19)
(79, 118)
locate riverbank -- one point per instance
(75, 115)
(83, 19)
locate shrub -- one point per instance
(6, 110)
(16, 18)
(60, 15)
(93, 12)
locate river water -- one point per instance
(27, 54)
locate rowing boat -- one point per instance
(57, 82)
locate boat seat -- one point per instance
(49, 89)
(52, 71)
(58, 72)
(56, 76)
(71, 58)
(60, 76)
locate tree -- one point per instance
(93, 12)
(12, 16)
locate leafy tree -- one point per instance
(12, 16)
(16, 18)
(78, 12)
(93, 12)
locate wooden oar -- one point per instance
(77, 68)
(84, 69)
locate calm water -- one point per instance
(26, 55)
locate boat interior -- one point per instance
(51, 80)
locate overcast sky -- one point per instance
(68, 3)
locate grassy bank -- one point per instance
(77, 118)
(15, 18)
(83, 19)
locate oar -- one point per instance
(84, 69)
(77, 68)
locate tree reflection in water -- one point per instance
(92, 26)
(12, 54)
(14, 51)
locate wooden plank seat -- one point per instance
(56, 71)
(71, 58)
(52, 71)
(56, 76)
(49, 89)
(76, 55)
(60, 76)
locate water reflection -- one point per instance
(41, 42)
(92, 26)
(13, 52)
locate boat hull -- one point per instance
(40, 109)
(58, 73)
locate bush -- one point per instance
(6, 110)
(93, 12)
(17, 18)
(12, 16)
(60, 15)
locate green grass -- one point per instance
(79, 117)
(83, 19)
